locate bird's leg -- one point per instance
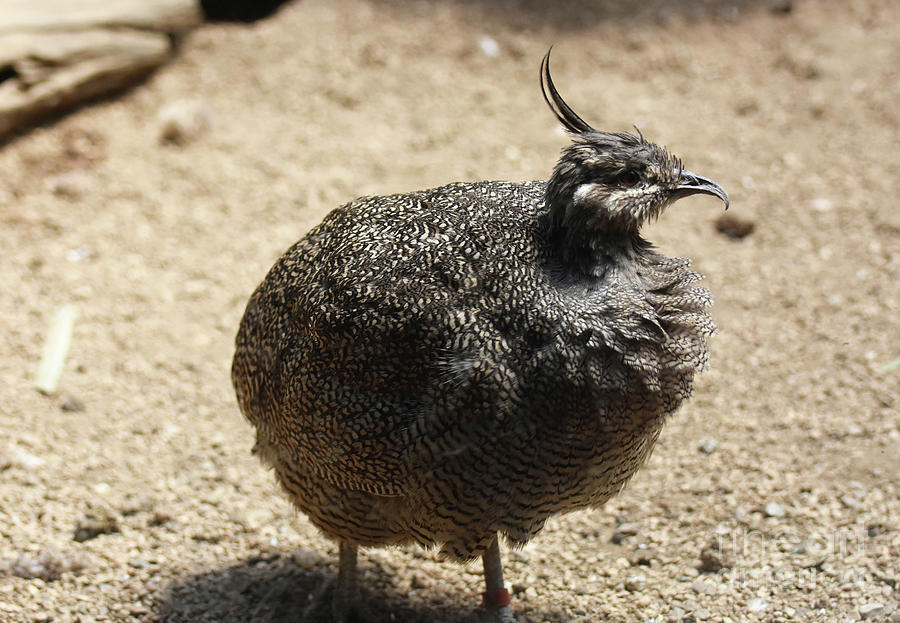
(496, 597)
(345, 595)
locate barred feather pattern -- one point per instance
(418, 369)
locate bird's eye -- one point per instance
(629, 178)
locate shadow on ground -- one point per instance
(583, 14)
(276, 589)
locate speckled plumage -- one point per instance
(446, 365)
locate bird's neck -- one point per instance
(584, 242)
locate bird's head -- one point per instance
(611, 183)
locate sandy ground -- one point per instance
(789, 512)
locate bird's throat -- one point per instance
(585, 243)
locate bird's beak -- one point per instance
(693, 184)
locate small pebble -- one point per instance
(72, 185)
(815, 562)
(138, 609)
(703, 587)
(875, 529)
(306, 559)
(781, 7)
(72, 404)
(489, 46)
(757, 604)
(635, 40)
(712, 559)
(623, 531)
(690, 572)
(774, 509)
(183, 121)
(82, 146)
(733, 227)
(821, 204)
(850, 502)
(642, 556)
(747, 107)
(702, 614)
(871, 610)
(28, 461)
(136, 503)
(636, 582)
(98, 521)
(708, 446)
(83, 253)
(49, 565)
(162, 518)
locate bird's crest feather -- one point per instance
(567, 117)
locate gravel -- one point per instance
(98, 521)
(774, 509)
(165, 244)
(704, 587)
(871, 611)
(48, 566)
(72, 404)
(757, 604)
(636, 582)
(708, 446)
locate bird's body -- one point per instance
(408, 338)
(445, 366)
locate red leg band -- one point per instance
(495, 600)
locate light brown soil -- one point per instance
(159, 246)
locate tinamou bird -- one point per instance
(447, 366)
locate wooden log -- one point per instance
(55, 53)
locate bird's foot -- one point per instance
(504, 615)
(495, 599)
(500, 615)
(496, 603)
(345, 600)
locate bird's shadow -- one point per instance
(274, 589)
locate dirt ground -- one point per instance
(131, 494)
